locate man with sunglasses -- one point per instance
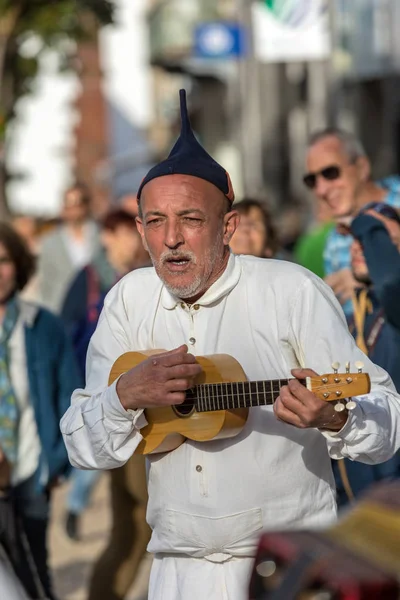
(375, 324)
(339, 173)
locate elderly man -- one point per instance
(208, 501)
(339, 173)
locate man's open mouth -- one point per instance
(177, 263)
(181, 260)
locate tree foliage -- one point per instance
(51, 22)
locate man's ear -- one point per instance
(364, 168)
(231, 222)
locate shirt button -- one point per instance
(199, 468)
(182, 305)
(192, 340)
(196, 306)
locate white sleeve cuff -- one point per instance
(350, 429)
(115, 412)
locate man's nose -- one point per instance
(173, 236)
(322, 186)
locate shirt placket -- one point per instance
(191, 337)
(198, 464)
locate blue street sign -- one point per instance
(219, 40)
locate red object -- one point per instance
(290, 563)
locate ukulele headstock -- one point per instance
(340, 387)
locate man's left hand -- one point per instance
(298, 406)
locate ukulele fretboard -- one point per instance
(238, 394)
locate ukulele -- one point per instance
(217, 405)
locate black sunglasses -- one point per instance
(329, 173)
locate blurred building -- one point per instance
(309, 63)
(88, 122)
(174, 64)
(261, 75)
(91, 134)
(40, 139)
(127, 91)
(366, 60)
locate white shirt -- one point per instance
(80, 250)
(212, 499)
(28, 437)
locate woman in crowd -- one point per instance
(37, 376)
(256, 234)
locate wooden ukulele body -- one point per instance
(167, 428)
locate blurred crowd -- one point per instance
(54, 276)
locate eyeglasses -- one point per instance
(329, 173)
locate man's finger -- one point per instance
(291, 401)
(176, 398)
(300, 373)
(304, 395)
(179, 350)
(177, 359)
(183, 370)
(284, 414)
(179, 385)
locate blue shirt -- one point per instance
(337, 249)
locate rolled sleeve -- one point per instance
(98, 432)
(114, 412)
(370, 434)
(319, 334)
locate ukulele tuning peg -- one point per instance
(350, 405)
(347, 367)
(339, 407)
(359, 366)
(335, 367)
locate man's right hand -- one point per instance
(160, 380)
(343, 284)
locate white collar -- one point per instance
(28, 312)
(224, 284)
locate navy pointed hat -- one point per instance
(188, 157)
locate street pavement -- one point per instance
(72, 562)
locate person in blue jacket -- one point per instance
(122, 251)
(375, 324)
(38, 374)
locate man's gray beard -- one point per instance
(186, 291)
(180, 291)
(192, 289)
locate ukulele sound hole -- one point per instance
(185, 409)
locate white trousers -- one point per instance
(186, 578)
